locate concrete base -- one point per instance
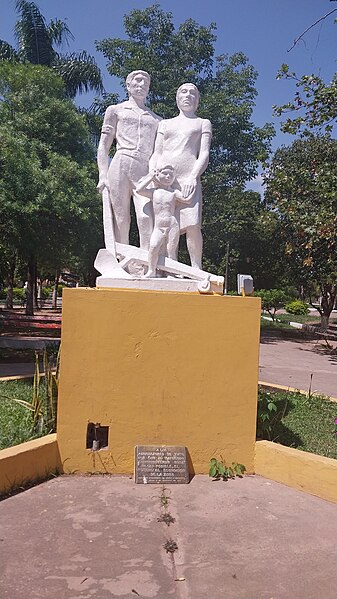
(99, 537)
(157, 284)
(157, 369)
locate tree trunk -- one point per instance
(55, 290)
(10, 279)
(30, 286)
(324, 322)
(36, 303)
(329, 293)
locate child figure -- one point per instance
(166, 227)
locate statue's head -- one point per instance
(165, 174)
(187, 97)
(138, 84)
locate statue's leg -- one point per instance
(143, 206)
(173, 240)
(144, 215)
(156, 242)
(120, 195)
(194, 245)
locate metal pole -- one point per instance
(226, 268)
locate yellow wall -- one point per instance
(28, 462)
(157, 368)
(298, 469)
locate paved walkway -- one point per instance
(298, 363)
(99, 537)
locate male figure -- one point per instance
(134, 127)
(166, 227)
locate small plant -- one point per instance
(170, 546)
(163, 498)
(219, 470)
(167, 518)
(43, 405)
(268, 414)
(297, 307)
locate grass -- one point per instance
(16, 421)
(302, 318)
(270, 325)
(303, 422)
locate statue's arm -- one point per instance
(201, 162)
(158, 147)
(205, 145)
(141, 186)
(179, 196)
(108, 134)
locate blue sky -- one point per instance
(263, 29)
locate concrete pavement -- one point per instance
(298, 362)
(99, 537)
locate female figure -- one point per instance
(184, 142)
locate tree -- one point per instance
(227, 86)
(47, 186)
(272, 300)
(301, 186)
(238, 221)
(36, 41)
(315, 101)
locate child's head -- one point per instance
(165, 175)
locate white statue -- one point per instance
(134, 127)
(166, 228)
(184, 141)
(182, 147)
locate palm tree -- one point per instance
(36, 42)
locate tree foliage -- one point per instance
(301, 186)
(315, 103)
(314, 106)
(238, 221)
(36, 42)
(47, 179)
(272, 300)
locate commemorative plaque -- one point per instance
(161, 464)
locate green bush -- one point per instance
(45, 292)
(19, 294)
(297, 307)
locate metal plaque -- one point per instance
(161, 464)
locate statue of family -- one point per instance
(158, 162)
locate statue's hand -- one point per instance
(102, 184)
(188, 187)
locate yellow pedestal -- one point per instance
(157, 368)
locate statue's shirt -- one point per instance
(134, 129)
